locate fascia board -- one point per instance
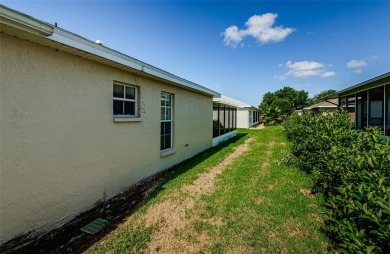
(225, 104)
(185, 83)
(29, 24)
(368, 84)
(82, 44)
(24, 22)
(252, 107)
(75, 41)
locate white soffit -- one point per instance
(234, 102)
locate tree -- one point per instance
(272, 115)
(297, 99)
(268, 98)
(286, 100)
(283, 104)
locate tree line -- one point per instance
(278, 105)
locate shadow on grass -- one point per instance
(69, 238)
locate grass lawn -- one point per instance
(234, 198)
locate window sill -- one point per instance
(126, 119)
(167, 152)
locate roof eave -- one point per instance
(252, 107)
(363, 86)
(24, 22)
(224, 104)
(57, 35)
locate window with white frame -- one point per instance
(125, 100)
(166, 121)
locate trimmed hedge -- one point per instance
(352, 170)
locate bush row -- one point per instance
(352, 170)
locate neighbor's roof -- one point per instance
(232, 102)
(363, 86)
(26, 27)
(331, 103)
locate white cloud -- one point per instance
(374, 58)
(259, 27)
(305, 69)
(280, 77)
(356, 64)
(232, 36)
(304, 73)
(328, 74)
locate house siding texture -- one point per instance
(61, 152)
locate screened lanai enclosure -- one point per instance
(370, 103)
(224, 122)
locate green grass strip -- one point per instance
(258, 205)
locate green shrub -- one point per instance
(359, 213)
(352, 170)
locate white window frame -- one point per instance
(135, 100)
(171, 148)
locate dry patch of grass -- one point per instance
(205, 182)
(306, 192)
(169, 217)
(238, 200)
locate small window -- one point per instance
(125, 102)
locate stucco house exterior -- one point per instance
(369, 101)
(247, 115)
(81, 122)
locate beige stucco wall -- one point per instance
(61, 152)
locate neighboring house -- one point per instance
(81, 122)
(324, 107)
(370, 102)
(224, 121)
(247, 115)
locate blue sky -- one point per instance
(242, 49)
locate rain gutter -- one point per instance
(29, 24)
(24, 22)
